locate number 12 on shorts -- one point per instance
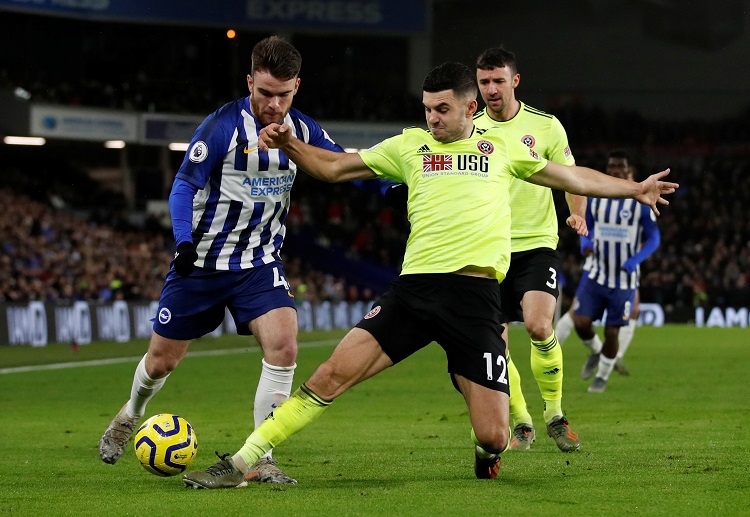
(502, 363)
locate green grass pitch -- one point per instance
(671, 439)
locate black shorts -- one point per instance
(531, 270)
(461, 313)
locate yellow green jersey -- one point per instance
(458, 196)
(533, 216)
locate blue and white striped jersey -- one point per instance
(240, 209)
(617, 229)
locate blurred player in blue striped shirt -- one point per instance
(229, 203)
(622, 235)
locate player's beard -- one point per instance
(266, 117)
(496, 109)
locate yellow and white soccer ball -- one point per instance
(165, 444)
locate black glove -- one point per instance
(184, 259)
(396, 195)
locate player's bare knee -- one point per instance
(284, 354)
(158, 366)
(539, 330)
(493, 440)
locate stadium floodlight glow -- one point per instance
(179, 146)
(22, 93)
(114, 144)
(24, 140)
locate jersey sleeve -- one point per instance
(558, 149)
(384, 159)
(207, 148)
(650, 232)
(588, 242)
(524, 161)
(181, 210)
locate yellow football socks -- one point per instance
(519, 413)
(301, 409)
(547, 367)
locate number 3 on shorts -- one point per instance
(552, 283)
(279, 280)
(503, 378)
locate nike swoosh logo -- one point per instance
(248, 151)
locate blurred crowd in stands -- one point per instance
(704, 257)
(52, 253)
(56, 249)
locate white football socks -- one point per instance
(606, 365)
(274, 387)
(594, 344)
(143, 389)
(626, 336)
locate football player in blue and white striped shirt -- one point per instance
(622, 235)
(229, 203)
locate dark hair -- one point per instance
(619, 153)
(497, 58)
(278, 57)
(451, 76)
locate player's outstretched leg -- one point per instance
(117, 436)
(297, 412)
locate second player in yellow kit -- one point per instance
(530, 290)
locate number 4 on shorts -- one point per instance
(279, 280)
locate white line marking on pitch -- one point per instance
(116, 360)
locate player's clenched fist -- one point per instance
(274, 136)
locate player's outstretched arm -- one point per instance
(319, 163)
(588, 182)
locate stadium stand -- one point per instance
(70, 239)
(704, 259)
